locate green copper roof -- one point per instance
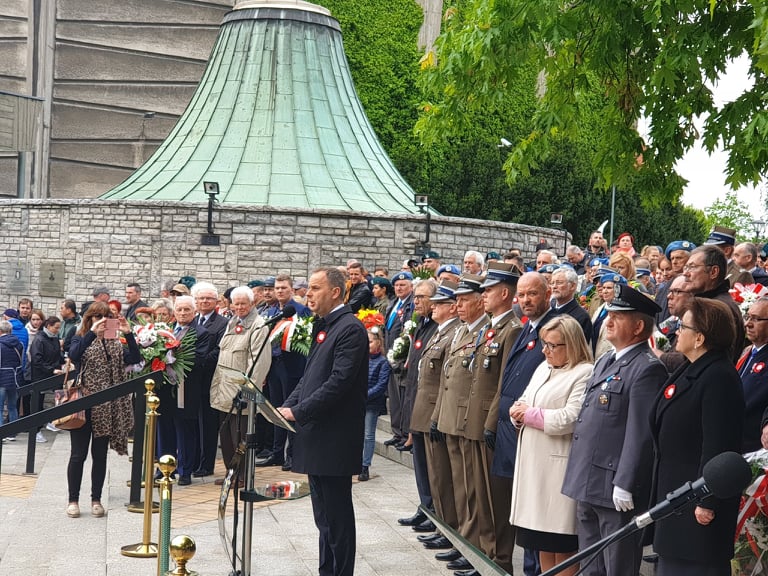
(275, 121)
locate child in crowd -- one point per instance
(378, 376)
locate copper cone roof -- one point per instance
(275, 121)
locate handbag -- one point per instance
(68, 394)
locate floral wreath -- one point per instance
(745, 296)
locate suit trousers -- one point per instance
(453, 443)
(335, 519)
(420, 471)
(440, 481)
(501, 503)
(620, 558)
(280, 387)
(396, 404)
(187, 447)
(208, 422)
(674, 567)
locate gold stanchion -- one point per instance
(183, 548)
(147, 549)
(167, 465)
(138, 507)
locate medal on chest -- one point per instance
(531, 345)
(757, 368)
(320, 337)
(669, 391)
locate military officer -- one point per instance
(610, 464)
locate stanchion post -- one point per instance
(146, 548)
(183, 548)
(167, 465)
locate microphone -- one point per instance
(287, 312)
(724, 476)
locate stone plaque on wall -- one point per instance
(52, 278)
(18, 279)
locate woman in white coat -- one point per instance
(545, 415)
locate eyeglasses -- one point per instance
(551, 346)
(687, 327)
(750, 318)
(689, 267)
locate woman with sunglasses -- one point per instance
(545, 415)
(697, 415)
(101, 361)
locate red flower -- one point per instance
(157, 364)
(170, 344)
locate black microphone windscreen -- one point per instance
(289, 311)
(727, 474)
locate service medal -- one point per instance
(487, 363)
(603, 399)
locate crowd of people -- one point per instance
(545, 403)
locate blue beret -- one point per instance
(598, 262)
(548, 268)
(614, 277)
(450, 268)
(402, 276)
(679, 245)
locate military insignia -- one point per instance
(487, 363)
(431, 365)
(465, 362)
(669, 391)
(238, 329)
(320, 337)
(485, 349)
(531, 345)
(417, 344)
(757, 368)
(490, 335)
(604, 386)
(603, 399)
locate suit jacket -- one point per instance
(697, 414)
(130, 312)
(403, 314)
(453, 397)
(611, 439)
(290, 364)
(483, 402)
(421, 337)
(754, 383)
(522, 361)
(430, 370)
(215, 326)
(581, 316)
(329, 401)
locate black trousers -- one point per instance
(280, 387)
(80, 440)
(420, 470)
(208, 421)
(335, 519)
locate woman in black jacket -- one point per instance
(697, 415)
(45, 352)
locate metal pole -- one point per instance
(613, 211)
(167, 465)
(248, 507)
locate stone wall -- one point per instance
(113, 243)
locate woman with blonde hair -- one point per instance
(545, 415)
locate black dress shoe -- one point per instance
(202, 473)
(472, 572)
(448, 556)
(394, 441)
(651, 558)
(364, 475)
(287, 465)
(441, 543)
(271, 461)
(428, 537)
(265, 453)
(414, 520)
(185, 480)
(460, 563)
(404, 448)
(426, 526)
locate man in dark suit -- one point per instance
(398, 313)
(328, 406)
(284, 374)
(753, 368)
(564, 282)
(611, 460)
(185, 407)
(533, 296)
(133, 301)
(206, 297)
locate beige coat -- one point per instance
(238, 349)
(542, 455)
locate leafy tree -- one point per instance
(731, 213)
(655, 58)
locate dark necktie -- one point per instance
(748, 362)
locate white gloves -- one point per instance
(622, 500)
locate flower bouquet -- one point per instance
(160, 350)
(402, 344)
(747, 295)
(752, 525)
(370, 318)
(293, 334)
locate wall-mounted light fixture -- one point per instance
(212, 190)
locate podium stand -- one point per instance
(279, 490)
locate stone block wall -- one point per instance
(116, 242)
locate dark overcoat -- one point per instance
(329, 401)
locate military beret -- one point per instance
(379, 281)
(469, 283)
(614, 277)
(627, 299)
(450, 268)
(548, 268)
(493, 256)
(402, 276)
(642, 272)
(255, 283)
(431, 254)
(188, 281)
(598, 262)
(679, 245)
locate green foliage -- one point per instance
(731, 213)
(649, 57)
